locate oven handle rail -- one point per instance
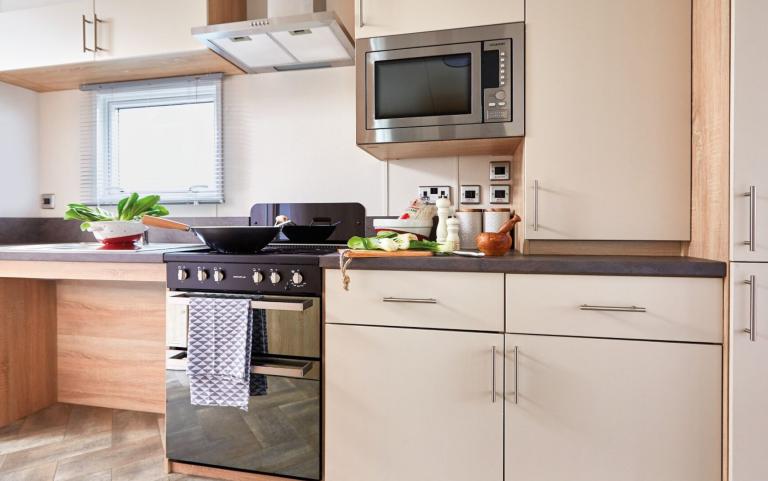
(177, 361)
(258, 302)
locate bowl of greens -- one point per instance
(121, 229)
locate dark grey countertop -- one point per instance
(90, 252)
(544, 264)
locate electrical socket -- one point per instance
(432, 192)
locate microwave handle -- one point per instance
(266, 303)
(361, 19)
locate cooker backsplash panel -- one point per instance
(288, 137)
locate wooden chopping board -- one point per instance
(353, 253)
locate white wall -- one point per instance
(18, 152)
(288, 137)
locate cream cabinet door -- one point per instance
(375, 18)
(608, 119)
(148, 27)
(412, 405)
(749, 372)
(44, 36)
(601, 409)
(749, 204)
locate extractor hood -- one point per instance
(302, 36)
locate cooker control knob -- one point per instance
(274, 277)
(500, 95)
(258, 277)
(202, 275)
(297, 278)
(182, 274)
(218, 276)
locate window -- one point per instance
(154, 137)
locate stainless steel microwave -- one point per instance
(464, 83)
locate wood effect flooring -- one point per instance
(67, 442)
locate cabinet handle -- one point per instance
(515, 353)
(85, 48)
(752, 194)
(410, 300)
(535, 205)
(361, 22)
(493, 374)
(96, 22)
(587, 307)
(751, 329)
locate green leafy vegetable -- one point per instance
(391, 241)
(130, 208)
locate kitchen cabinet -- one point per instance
(412, 404)
(749, 123)
(50, 35)
(580, 409)
(608, 120)
(375, 18)
(749, 382)
(64, 33)
(148, 27)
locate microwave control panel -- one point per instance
(497, 86)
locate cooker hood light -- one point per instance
(310, 39)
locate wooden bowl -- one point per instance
(497, 243)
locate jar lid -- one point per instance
(499, 209)
(464, 209)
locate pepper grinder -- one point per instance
(443, 211)
(452, 240)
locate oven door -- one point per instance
(291, 324)
(279, 435)
(425, 86)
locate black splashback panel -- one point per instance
(351, 216)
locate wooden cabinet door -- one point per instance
(375, 18)
(750, 122)
(148, 27)
(600, 409)
(608, 119)
(44, 36)
(749, 368)
(412, 405)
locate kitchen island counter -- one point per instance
(544, 264)
(91, 252)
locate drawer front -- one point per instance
(441, 300)
(659, 308)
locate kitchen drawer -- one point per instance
(660, 308)
(453, 300)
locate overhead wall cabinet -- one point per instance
(608, 119)
(63, 45)
(376, 18)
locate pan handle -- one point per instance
(163, 223)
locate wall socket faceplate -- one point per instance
(499, 194)
(47, 201)
(470, 194)
(432, 192)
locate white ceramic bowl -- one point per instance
(422, 228)
(117, 231)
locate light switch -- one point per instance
(499, 194)
(470, 194)
(500, 170)
(47, 201)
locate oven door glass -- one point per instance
(424, 86)
(286, 326)
(279, 435)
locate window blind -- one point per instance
(161, 136)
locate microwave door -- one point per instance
(426, 86)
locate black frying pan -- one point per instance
(318, 231)
(224, 239)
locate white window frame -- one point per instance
(100, 181)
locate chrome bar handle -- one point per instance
(751, 329)
(361, 21)
(588, 307)
(515, 353)
(493, 374)
(535, 205)
(85, 48)
(410, 300)
(752, 194)
(96, 22)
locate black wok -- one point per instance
(312, 233)
(224, 239)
